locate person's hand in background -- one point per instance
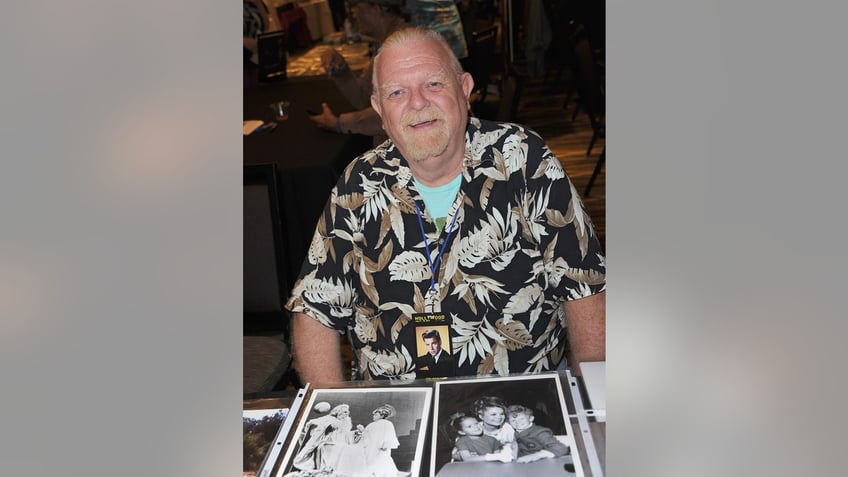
(333, 62)
(326, 119)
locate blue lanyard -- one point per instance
(434, 266)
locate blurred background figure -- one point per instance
(376, 19)
(338, 10)
(441, 16)
(257, 19)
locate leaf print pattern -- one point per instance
(515, 334)
(493, 242)
(317, 249)
(550, 167)
(479, 288)
(521, 246)
(393, 365)
(376, 198)
(365, 328)
(472, 338)
(409, 267)
(515, 153)
(526, 299)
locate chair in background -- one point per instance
(266, 350)
(595, 172)
(590, 87)
(502, 106)
(511, 89)
(561, 51)
(482, 60)
(592, 99)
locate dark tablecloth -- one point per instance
(308, 159)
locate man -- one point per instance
(472, 220)
(436, 361)
(377, 19)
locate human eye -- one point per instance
(435, 85)
(394, 93)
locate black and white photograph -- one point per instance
(503, 426)
(367, 432)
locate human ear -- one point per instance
(376, 105)
(467, 82)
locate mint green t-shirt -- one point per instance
(438, 200)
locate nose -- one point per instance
(418, 98)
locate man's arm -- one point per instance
(365, 121)
(357, 89)
(317, 352)
(586, 319)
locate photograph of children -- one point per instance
(359, 432)
(504, 426)
(434, 353)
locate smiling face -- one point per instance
(492, 416)
(470, 426)
(520, 420)
(422, 101)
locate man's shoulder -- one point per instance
(480, 127)
(486, 136)
(371, 164)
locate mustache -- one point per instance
(416, 117)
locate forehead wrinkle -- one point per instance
(442, 74)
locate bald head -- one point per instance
(421, 95)
(403, 38)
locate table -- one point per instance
(587, 432)
(308, 159)
(589, 421)
(543, 467)
(357, 56)
(272, 400)
(595, 382)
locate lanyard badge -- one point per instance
(434, 324)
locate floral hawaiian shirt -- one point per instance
(521, 244)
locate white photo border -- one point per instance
(412, 404)
(533, 391)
